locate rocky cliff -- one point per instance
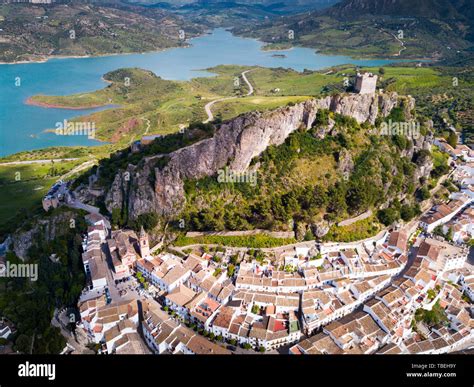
(161, 189)
(46, 228)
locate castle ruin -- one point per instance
(365, 83)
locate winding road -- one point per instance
(402, 44)
(244, 77)
(85, 165)
(208, 106)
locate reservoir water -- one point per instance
(22, 127)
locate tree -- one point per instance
(431, 293)
(432, 317)
(407, 212)
(361, 196)
(320, 197)
(140, 278)
(400, 141)
(309, 236)
(450, 234)
(440, 170)
(452, 139)
(322, 118)
(230, 270)
(117, 217)
(388, 216)
(424, 193)
(23, 343)
(337, 204)
(438, 230)
(290, 202)
(148, 220)
(421, 157)
(30, 304)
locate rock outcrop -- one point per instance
(320, 228)
(47, 228)
(235, 144)
(345, 164)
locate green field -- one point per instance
(171, 105)
(23, 186)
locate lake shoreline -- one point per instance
(66, 78)
(31, 102)
(47, 58)
(263, 48)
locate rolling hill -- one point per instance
(34, 32)
(438, 9)
(422, 29)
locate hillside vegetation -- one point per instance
(35, 32)
(402, 28)
(310, 181)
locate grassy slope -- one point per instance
(22, 186)
(170, 104)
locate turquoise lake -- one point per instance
(22, 127)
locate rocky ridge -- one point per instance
(161, 189)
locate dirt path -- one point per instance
(244, 77)
(348, 222)
(84, 165)
(209, 105)
(402, 44)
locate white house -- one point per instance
(467, 283)
(5, 331)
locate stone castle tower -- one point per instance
(365, 83)
(144, 245)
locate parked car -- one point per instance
(107, 296)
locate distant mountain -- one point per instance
(290, 6)
(432, 28)
(37, 32)
(437, 9)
